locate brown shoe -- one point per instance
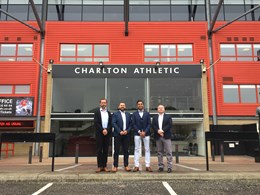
(98, 170)
(136, 169)
(127, 169)
(105, 169)
(149, 169)
(114, 169)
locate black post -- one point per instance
(30, 155)
(213, 151)
(177, 153)
(40, 156)
(0, 148)
(207, 157)
(53, 155)
(222, 152)
(77, 154)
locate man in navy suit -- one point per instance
(103, 124)
(122, 124)
(162, 124)
(141, 124)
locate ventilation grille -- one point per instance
(6, 38)
(227, 79)
(19, 38)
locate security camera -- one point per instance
(49, 71)
(204, 70)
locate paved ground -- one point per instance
(234, 167)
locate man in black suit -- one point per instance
(162, 124)
(122, 124)
(103, 124)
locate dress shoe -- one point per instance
(114, 169)
(136, 169)
(127, 169)
(98, 170)
(149, 169)
(160, 169)
(105, 169)
(169, 170)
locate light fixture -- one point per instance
(101, 64)
(157, 63)
(51, 61)
(201, 61)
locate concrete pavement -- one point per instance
(234, 167)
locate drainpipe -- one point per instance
(38, 120)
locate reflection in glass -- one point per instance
(125, 90)
(8, 49)
(81, 95)
(22, 89)
(68, 50)
(247, 93)
(24, 50)
(230, 93)
(6, 89)
(167, 92)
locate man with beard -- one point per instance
(122, 124)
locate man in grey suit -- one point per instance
(162, 124)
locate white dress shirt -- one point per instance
(141, 113)
(104, 118)
(160, 120)
(124, 119)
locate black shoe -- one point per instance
(169, 170)
(160, 169)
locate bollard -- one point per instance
(222, 152)
(40, 156)
(177, 153)
(30, 155)
(77, 154)
(213, 152)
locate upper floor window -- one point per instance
(15, 89)
(240, 52)
(168, 52)
(16, 52)
(241, 93)
(84, 52)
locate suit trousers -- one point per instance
(138, 142)
(121, 140)
(164, 145)
(102, 149)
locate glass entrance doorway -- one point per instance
(188, 137)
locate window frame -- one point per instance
(13, 93)
(236, 57)
(15, 57)
(93, 58)
(167, 59)
(239, 86)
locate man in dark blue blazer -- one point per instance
(162, 124)
(141, 124)
(122, 123)
(103, 124)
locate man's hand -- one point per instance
(142, 134)
(125, 132)
(161, 132)
(122, 132)
(104, 131)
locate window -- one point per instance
(72, 95)
(84, 52)
(16, 52)
(181, 95)
(230, 93)
(241, 93)
(15, 89)
(240, 52)
(168, 53)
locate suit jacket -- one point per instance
(98, 122)
(142, 124)
(166, 126)
(117, 123)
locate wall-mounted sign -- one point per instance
(16, 124)
(16, 106)
(126, 71)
